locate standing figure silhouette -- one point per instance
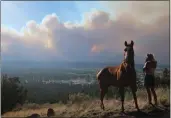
(149, 81)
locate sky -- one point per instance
(87, 31)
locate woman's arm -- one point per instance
(145, 66)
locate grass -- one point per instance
(80, 105)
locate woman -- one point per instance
(149, 81)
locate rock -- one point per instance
(50, 112)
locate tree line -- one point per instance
(14, 92)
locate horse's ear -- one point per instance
(148, 55)
(126, 43)
(132, 43)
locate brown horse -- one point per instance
(120, 76)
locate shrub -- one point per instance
(13, 93)
(164, 101)
(164, 82)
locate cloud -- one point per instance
(145, 11)
(99, 37)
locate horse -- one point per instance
(121, 76)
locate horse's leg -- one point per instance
(121, 91)
(134, 89)
(103, 91)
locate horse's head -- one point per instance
(129, 50)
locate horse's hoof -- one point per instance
(138, 110)
(122, 113)
(122, 110)
(102, 107)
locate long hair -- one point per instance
(150, 58)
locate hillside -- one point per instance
(91, 108)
